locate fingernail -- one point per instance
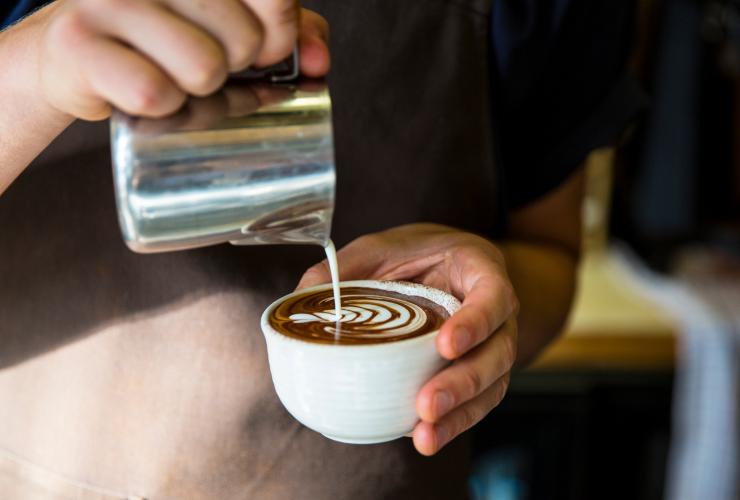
(462, 340)
(442, 403)
(442, 436)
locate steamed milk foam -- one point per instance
(357, 314)
(386, 312)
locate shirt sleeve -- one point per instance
(8, 14)
(13, 11)
(560, 87)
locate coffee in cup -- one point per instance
(367, 316)
(354, 378)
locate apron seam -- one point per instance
(12, 457)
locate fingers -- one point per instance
(189, 55)
(231, 23)
(313, 44)
(489, 301)
(429, 438)
(129, 81)
(279, 19)
(470, 376)
(179, 46)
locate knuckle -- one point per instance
(463, 252)
(502, 389)
(143, 101)
(99, 111)
(282, 22)
(511, 297)
(169, 105)
(495, 252)
(275, 51)
(468, 418)
(148, 95)
(510, 349)
(472, 383)
(206, 76)
(68, 28)
(500, 392)
(318, 270)
(244, 46)
(484, 325)
(286, 12)
(504, 292)
(243, 52)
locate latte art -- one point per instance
(367, 316)
(375, 315)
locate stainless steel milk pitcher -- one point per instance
(253, 164)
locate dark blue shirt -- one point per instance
(561, 88)
(13, 11)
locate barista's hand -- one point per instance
(481, 337)
(145, 56)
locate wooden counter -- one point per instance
(611, 327)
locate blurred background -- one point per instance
(639, 398)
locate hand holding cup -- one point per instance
(480, 338)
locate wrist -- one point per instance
(28, 122)
(20, 46)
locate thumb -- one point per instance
(313, 45)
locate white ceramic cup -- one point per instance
(360, 393)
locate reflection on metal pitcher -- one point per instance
(253, 164)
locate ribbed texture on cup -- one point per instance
(353, 393)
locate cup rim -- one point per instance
(451, 304)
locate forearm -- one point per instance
(27, 123)
(543, 276)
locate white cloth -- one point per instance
(704, 297)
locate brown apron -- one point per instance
(145, 376)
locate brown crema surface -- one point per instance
(369, 316)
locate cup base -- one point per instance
(372, 440)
